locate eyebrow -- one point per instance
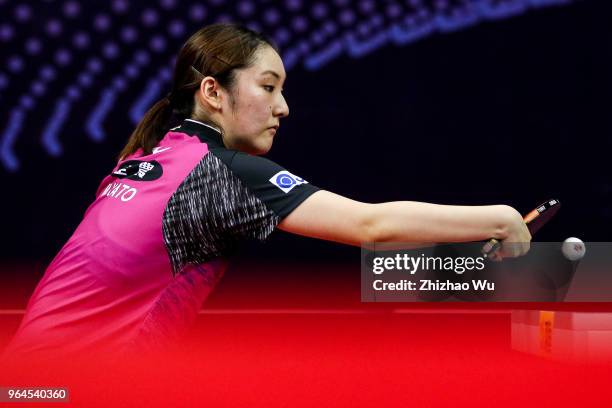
(272, 73)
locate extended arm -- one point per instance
(329, 216)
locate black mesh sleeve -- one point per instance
(279, 190)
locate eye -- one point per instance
(269, 88)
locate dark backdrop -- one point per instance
(511, 110)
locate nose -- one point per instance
(281, 109)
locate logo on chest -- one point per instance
(139, 170)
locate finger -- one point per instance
(526, 248)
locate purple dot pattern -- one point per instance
(68, 46)
(176, 28)
(73, 93)
(158, 43)
(282, 36)
(119, 84)
(165, 74)
(47, 73)
(142, 57)
(319, 11)
(347, 17)
(23, 13)
(63, 57)
(131, 71)
(254, 25)
(318, 38)
(26, 102)
(300, 24)
(120, 6)
(15, 64)
(102, 22)
(54, 28)
(129, 34)
(6, 32)
(110, 50)
(197, 12)
(33, 46)
(245, 8)
(85, 80)
(3, 81)
(272, 16)
(167, 4)
(330, 28)
(150, 17)
(293, 5)
(366, 6)
(394, 10)
(80, 40)
(94, 65)
(224, 18)
(38, 88)
(71, 9)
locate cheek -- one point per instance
(255, 115)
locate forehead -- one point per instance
(267, 63)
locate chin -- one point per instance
(262, 147)
(262, 150)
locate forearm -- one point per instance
(326, 215)
(408, 221)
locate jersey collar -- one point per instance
(205, 132)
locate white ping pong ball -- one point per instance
(573, 249)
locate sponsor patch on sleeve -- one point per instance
(286, 181)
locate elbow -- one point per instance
(372, 229)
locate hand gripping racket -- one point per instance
(534, 220)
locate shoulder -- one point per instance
(281, 190)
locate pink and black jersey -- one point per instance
(154, 243)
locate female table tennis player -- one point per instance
(189, 186)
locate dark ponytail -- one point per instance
(150, 130)
(217, 50)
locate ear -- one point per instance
(210, 94)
